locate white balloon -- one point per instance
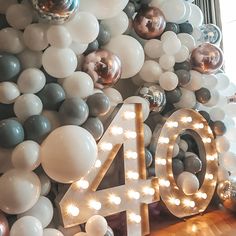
(19, 16)
(183, 145)
(27, 226)
(45, 184)
(59, 63)
(118, 24)
(78, 48)
(114, 96)
(130, 52)
(209, 81)
(27, 105)
(42, 210)
(103, 9)
(188, 99)
(4, 5)
(150, 71)
(84, 27)
(187, 14)
(174, 10)
(96, 225)
(58, 36)
(229, 161)
(187, 40)
(171, 46)
(222, 144)
(35, 36)
(175, 150)
(30, 59)
(168, 35)
(231, 134)
(168, 81)
(215, 96)
(223, 174)
(25, 156)
(79, 84)
(11, 41)
(153, 48)
(167, 61)
(31, 80)
(53, 117)
(20, 190)
(147, 135)
(182, 55)
(143, 101)
(217, 113)
(8, 92)
(195, 82)
(222, 81)
(196, 18)
(52, 232)
(73, 149)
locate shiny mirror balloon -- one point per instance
(4, 228)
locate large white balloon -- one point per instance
(74, 151)
(27, 226)
(103, 9)
(96, 225)
(196, 18)
(20, 190)
(153, 48)
(168, 81)
(130, 52)
(52, 232)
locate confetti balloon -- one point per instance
(104, 67)
(55, 11)
(149, 23)
(207, 58)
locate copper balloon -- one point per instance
(4, 227)
(104, 67)
(149, 22)
(207, 58)
(55, 11)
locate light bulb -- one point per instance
(116, 130)
(106, 146)
(160, 161)
(172, 124)
(115, 199)
(202, 195)
(98, 164)
(175, 201)
(129, 115)
(130, 134)
(164, 183)
(135, 218)
(199, 126)
(133, 194)
(84, 184)
(189, 203)
(163, 140)
(132, 175)
(209, 176)
(187, 119)
(131, 155)
(72, 210)
(206, 140)
(149, 191)
(95, 205)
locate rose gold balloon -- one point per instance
(149, 22)
(4, 228)
(104, 67)
(207, 58)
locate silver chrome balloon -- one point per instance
(55, 11)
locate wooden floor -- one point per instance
(213, 223)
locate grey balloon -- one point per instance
(183, 66)
(129, 9)
(73, 111)
(104, 35)
(148, 158)
(109, 232)
(37, 128)
(99, 104)
(183, 76)
(92, 47)
(9, 66)
(95, 127)
(173, 96)
(203, 95)
(177, 166)
(11, 133)
(192, 164)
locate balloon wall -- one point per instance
(66, 65)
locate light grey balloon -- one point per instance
(73, 111)
(177, 166)
(192, 164)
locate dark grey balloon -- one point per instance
(151, 171)
(37, 128)
(192, 164)
(218, 127)
(177, 166)
(6, 111)
(203, 95)
(52, 95)
(172, 27)
(183, 66)
(99, 104)
(104, 35)
(9, 67)
(180, 155)
(94, 126)
(11, 133)
(186, 28)
(148, 158)
(92, 47)
(130, 10)
(205, 115)
(183, 76)
(173, 96)
(73, 111)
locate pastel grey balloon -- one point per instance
(6, 111)
(177, 166)
(95, 127)
(172, 27)
(92, 47)
(37, 128)
(9, 67)
(104, 35)
(173, 96)
(183, 66)
(52, 95)
(11, 133)
(99, 104)
(183, 76)
(148, 158)
(205, 115)
(180, 155)
(109, 232)
(73, 111)
(192, 164)
(129, 9)
(186, 28)
(218, 127)
(203, 95)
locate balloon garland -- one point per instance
(64, 67)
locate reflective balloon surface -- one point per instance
(104, 67)
(149, 22)
(210, 33)
(155, 95)
(4, 228)
(55, 11)
(207, 58)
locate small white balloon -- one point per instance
(222, 81)
(223, 174)
(229, 161)
(45, 184)
(52, 232)
(183, 145)
(217, 113)
(187, 40)
(209, 81)
(27, 105)
(114, 96)
(25, 156)
(231, 134)
(42, 210)
(215, 97)
(188, 99)
(31, 80)
(27, 226)
(147, 135)
(196, 18)
(96, 225)
(79, 84)
(8, 92)
(195, 82)
(168, 35)
(222, 144)
(153, 48)
(59, 63)
(167, 61)
(156, 3)
(182, 55)
(171, 46)
(168, 81)
(187, 14)
(78, 48)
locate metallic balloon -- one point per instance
(104, 67)
(218, 127)
(207, 58)
(4, 227)
(149, 22)
(154, 94)
(55, 11)
(210, 33)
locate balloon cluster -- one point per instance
(64, 67)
